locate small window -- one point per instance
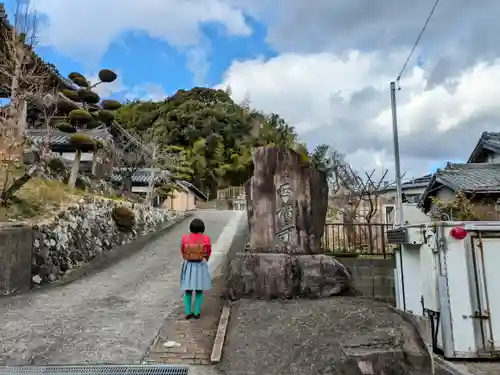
(413, 198)
(389, 214)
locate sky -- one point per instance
(323, 65)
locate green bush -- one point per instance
(65, 106)
(106, 116)
(66, 127)
(111, 105)
(100, 144)
(56, 165)
(79, 116)
(80, 140)
(124, 218)
(73, 75)
(79, 79)
(88, 96)
(71, 94)
(93, 124)
(108, 76)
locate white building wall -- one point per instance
(86, 156)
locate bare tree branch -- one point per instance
(24, 76)
(20, 69)
(353, 196)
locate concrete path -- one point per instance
(109, 317)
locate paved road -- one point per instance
(109, 317)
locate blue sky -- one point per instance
(324, 66)
(140, 59)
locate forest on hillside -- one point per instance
(209, 136)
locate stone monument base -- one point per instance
(330, 336)
(269, 276)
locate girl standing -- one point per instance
(195, 275)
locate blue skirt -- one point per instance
(195, 276)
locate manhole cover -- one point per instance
(95, 370)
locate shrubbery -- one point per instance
(124, 218)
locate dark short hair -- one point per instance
(197, 226)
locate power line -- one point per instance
(417, 41)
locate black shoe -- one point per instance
(189, 316)
(196, 316)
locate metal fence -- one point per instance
(357, 238)
(231, 192)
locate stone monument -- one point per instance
(286, 206)
(286, 203)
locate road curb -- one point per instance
(220, 266)
(449, 368)
(238, 243)
(220, 336)
(107, 258)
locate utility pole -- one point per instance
(399, 193)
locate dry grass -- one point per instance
(39, 199)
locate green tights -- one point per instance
(198, 299)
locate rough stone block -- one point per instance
(286, 202)
(264, 276)
(322, 276)
(270, 276)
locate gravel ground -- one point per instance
(109, 317)
(470, 367)
(328, 336)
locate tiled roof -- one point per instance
(488, 141)
(193, 188)
(479, 178)
(491, 141)
(418, 182)
(141, 176)
(472, 177)
(144, 176)
(60, 138)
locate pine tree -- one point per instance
(89, 113)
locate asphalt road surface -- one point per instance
(109, 317)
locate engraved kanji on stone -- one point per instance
(285, 235)
(285, 192)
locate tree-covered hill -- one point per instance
(209, 135)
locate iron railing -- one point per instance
(357, 238)
(231, 192)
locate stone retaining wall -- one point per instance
(373, 277)
(84, 231)
(15, 258)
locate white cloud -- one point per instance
(198, 64)
(343, 100)
(85, 29)
(461, 32)
(107, 89)
(144, 91)
(321, 82)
